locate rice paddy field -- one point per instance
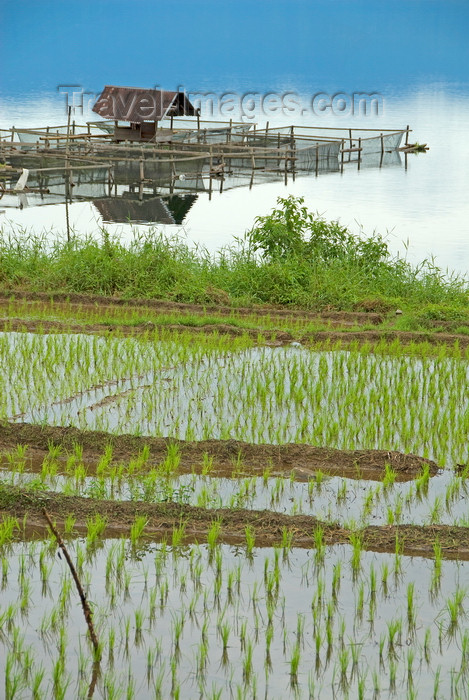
(256, 504)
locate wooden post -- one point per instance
(317, 159)
(211, 173)
(293, 158)
(359, 151)
(173, 175)
(407, 135)
(110, 178)
(222, 172)
(67, 142)
(142, 177)
(342, 156)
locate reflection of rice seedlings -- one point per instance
(464, 653)
(427, 646)
(436, 683)
(436, 511)
(111, 640)
(411, 616)
(437, 564)
(5, 567)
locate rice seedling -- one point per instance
(177, 536)
(7, 529)
(411, 615)
(250, 539)
(294, 664)
(137, 528)
(394, 627)
(318, 536)
(455, 608)
(356, 542)
(95, 528)
(213, 534)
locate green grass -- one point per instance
(290, 257)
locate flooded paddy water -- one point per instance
(223, 579)
(246, 521)
(214, 620)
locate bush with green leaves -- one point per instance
(291, 230)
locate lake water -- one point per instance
(414, 55)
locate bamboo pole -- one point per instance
(84, 603)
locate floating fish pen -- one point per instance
(150, 143)
(180, 154)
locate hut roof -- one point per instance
(138, 105)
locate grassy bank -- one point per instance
(290, 257)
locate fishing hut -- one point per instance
(142, 108)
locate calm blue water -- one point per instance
(414, 54)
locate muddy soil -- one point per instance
(301, 461)
(268, 527)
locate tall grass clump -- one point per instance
(290, 256)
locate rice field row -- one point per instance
(441, 499)
(216, 388)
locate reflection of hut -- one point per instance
(143, 108)
(162, 210)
